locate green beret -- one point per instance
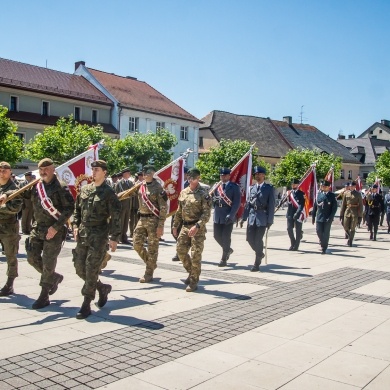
(46, 162)
(99, 164)
(194, 173)
(5, 165)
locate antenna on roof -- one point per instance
(301, 115)
(46, 64)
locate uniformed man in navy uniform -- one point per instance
(324, 210)
(259, 211)
(375, 205)
(296, 202)
(227, 200)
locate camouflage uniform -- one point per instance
(351, 211)
(42, 253)
(97, 214)
(194, 209)
(9, 228)
(147, 225)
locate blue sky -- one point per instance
(261, 58)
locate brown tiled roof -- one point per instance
(135, 94)
(35, 78)
(30, 117)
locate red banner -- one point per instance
(308, 186)
(359, 184)
(330, 178)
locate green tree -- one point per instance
(138, 150)
(11, 147)
(63, 141)
(297, 161)
(226, 154)
(382, 170)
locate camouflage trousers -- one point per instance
(42, 254)
(349, 224)
(192, 263)
(146, 229)
(9, 236)
(88, 258)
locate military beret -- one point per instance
(46, 162)
(99, 164)
(258, 169)
(29, 173)
(353, 183)
(295, 181)
(185, 170)
(114, 176)
(375, 186)
(5, 165)
(149, 168)
(194, 172)
(325, 183)
(224, 171)
(126, 170)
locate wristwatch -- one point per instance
(197, 225)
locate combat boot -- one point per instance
(146, 279)
(104, 290)
(222, 263)
(193, 286)
(175, 258)
(85, 309)
(187, 281)
(43, 299)
(8, 288)
(58, 278)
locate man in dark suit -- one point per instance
(122, 185)
(227, 200)
(296, 202)
(324, 210)
(375, 206)
(259, 211)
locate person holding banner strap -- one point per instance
(152, 212)
(53, 205)
(296, 202)
(259, 211)
(227, 200)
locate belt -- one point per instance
(96, 223)
(188, 223)
(146, 215)
(8, 220)
(353, 205)
(223, 205)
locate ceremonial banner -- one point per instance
(378, 183)
(308, 186)
(77, 172)
(330, 178)
(359, 184)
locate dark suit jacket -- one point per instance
(325, 207)
(222, 209)
(292, 211)
(260, 208)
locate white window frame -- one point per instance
(17, 103)
(342, 174)
(48, 108)
(97, 116)
(160, 126)
(184, 133)
(74, 113)
(133, 124)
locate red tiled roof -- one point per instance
(35, 78)
(135, 94)
(30, 117)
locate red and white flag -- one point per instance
(77, 172)
(330, 178)
(308, 186)
(378, 183)
(241, 174)
(171, 178)
(359, 184)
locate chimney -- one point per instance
(78, 63)
(385, 122)
(287, 119)
(351, 136)
(341, 136)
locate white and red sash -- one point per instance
(223, 195)
(147, 201)
(46, 202)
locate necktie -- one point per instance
(224, 186)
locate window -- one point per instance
(342, 174)
(365, 175)
(372, 132)
(13, 104)
(45, 108)
(94, 116)
(380, 131)
(21, 136)
(133, 124)
(349, 174)
(77, 113)
(201, 142)
(160, 126)
(184, 133)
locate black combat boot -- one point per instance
(8, 288)
(58, 278)
(43, 299)
(256, 266)
(85, 309)
(104, 290)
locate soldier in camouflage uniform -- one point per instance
(152, 211)
(193, 212)
(351, 212)
(53, 205)
(9, 228)
(97, 215)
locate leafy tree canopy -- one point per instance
(11, 146)
(382, 170)
(226, 154)
(297, 161)
(64, 141)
